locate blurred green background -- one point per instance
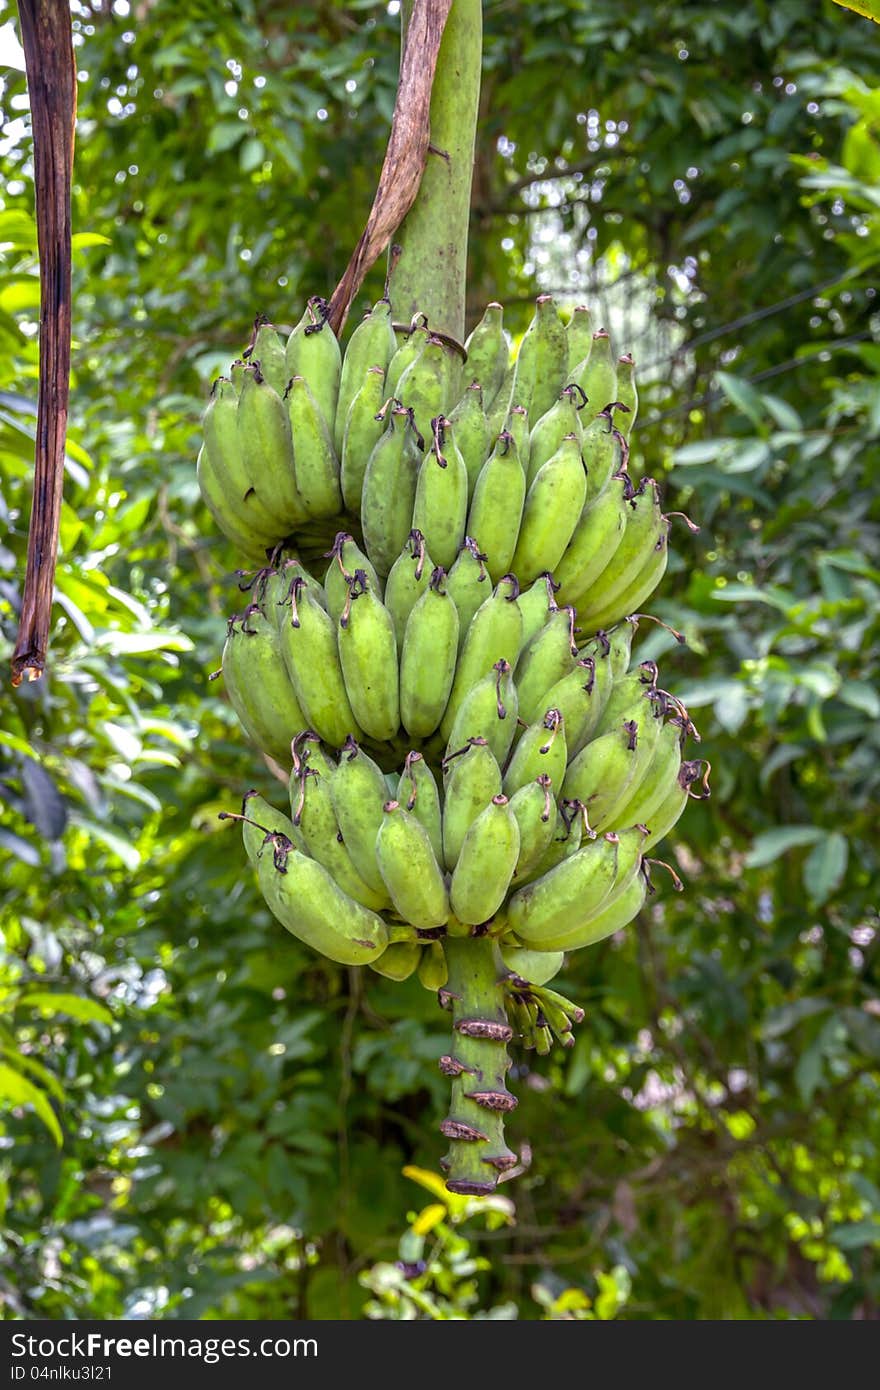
(199, 1119)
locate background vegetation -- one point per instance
(198, 1118)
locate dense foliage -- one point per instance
(197, 1117)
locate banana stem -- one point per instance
(430, 273)
(478, 1065)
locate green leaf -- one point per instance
(860, 695)
(855, 1235)
(742, 396)
(16, 1090)
(73, 1005)
(772, 844)
(825, 866)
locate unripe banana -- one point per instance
(488, 353)
(372, 344)
(537, 604)
(308, 645)
(359, 791)
(267, 352)
(542, 361)
(389, 490)
(427, 386)
(631, 599)
(313, 352)
(307, 901)
(553, 505)
(410, 345)
(251, 543)
(671, 809)
(399, 960)
(535, 812)
(311, 810)
(235, 492)
(440, 506)
(314, 459)
(418, 793)
(604, 451)
(473, 777)
(468, 585)
(489, 711)
(575, 696)
(600, 774)
(485, 864)
(658, 782)
(428, 658)
(266, 444)
(517, 425)
(568, 836)
(549, 656)
(597, 376)
(498, 413)
(363, 429)
(471, 430)
(620, 905)
(495, 633)
(538, 967)
(628, 696)
(259, 819)
(346, 557)
(644, 528)
(579, 335)
(368, 655)
(407, 580)
(497, 505)
(258, 685)
(540, 752)
(627, 391)
(566, 898)
(410, 870)
(433, 972)
(556, 424)
(600, 530)
(275, 597)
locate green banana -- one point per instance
(278, 588)
(235, 485)
(413, 341)
(599, 775)
(564, 899)
(418, 792)
(537, 604)
(498, 413)
(535, 812)
(259, 819)
(553, 505)
(313, 352)
(372, 344)
(659, 780)
(497, 505)
(540, 752)
(389, 490)
(407, 580)
(308, 645)
(267, 352)
(579, 335)
(597, 374)
(644, 528)
(258, 685)
(345, 558)
(427, 386)
(440, 505)
(627, 391)
(358, 791)
(628, 695)
(471, 430)
(567, 838)
(306, 900)
(312, 812)
(428, 658)
(266, 444)
(575, 696)
(399, 960)
(363, 429)
(495, 633)
(517, 425)
(489, 711)
(668, 813)
(605, 451)
(467, 585)
(368, 656)
(550, 655)
(599, 532)
(314, 458)
(556, 424)
(537, 967)
(488, 353)
(473, 777)
(432, 971)
(410, 870)
(542, 361)
(616, 913)
(628, 600)
(485, 863)
(251, 543)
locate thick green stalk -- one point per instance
(478, 1065)
(430, 275)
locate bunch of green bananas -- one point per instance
(436, 652)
